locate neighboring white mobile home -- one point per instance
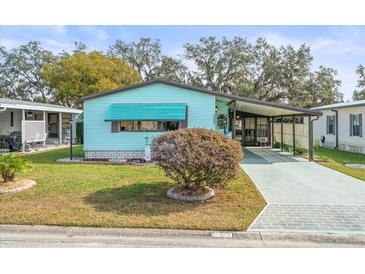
(341, 126)
(35, 122)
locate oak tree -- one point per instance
(81, 74)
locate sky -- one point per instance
(339, 47)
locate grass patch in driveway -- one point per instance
(121, 196)
(337, 159)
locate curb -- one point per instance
(325, 238)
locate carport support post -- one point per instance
(281, 134)
(234, 120)
(45, 130)
(23, 130)
(60, 128)
(272, 132)
(293, 134)
(310, 139)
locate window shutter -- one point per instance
(351, 124)
(327, 124)
(11, 119)
(360, 118)
(115, 127)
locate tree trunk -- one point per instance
(8, 177)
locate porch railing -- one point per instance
(33, 131)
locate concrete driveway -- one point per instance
(304, 196)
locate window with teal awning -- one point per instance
(146, 112)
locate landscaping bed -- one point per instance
(338, 160)
(80, 160)
(16, 185)
(121, 196)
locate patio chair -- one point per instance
(14, 141)
(3, 144)
(263, 141)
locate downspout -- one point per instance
(336, 111)
(2, 110)
(317, 117)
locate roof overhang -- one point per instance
(256, 106)
(355, 104)
(39, 108)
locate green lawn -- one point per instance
(337, 159)
(121, 196)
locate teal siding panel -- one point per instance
(97, 132)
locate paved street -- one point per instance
(304, 196)
(49, 236)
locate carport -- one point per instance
(252, 121)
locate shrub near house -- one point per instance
(10, 165)
(197, 158)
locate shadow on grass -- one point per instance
(138, 199)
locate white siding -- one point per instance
(345, 141)
(5, 127)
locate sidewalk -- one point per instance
(53, 236)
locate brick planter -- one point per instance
(171, 193)
(102, 161)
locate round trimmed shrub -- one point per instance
(196, 157)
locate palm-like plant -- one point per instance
(10, 165)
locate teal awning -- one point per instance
(146, 112)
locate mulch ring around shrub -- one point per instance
(181, 194)
(16, 185)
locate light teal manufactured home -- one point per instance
(118, 123)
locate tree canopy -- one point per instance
(82, 74)
(219, 65)
(20, 71)
(146, 58)
(255, 69)
(261, 71)
(360, 93)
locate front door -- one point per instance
(53, 125)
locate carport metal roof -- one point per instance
(265, 108)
